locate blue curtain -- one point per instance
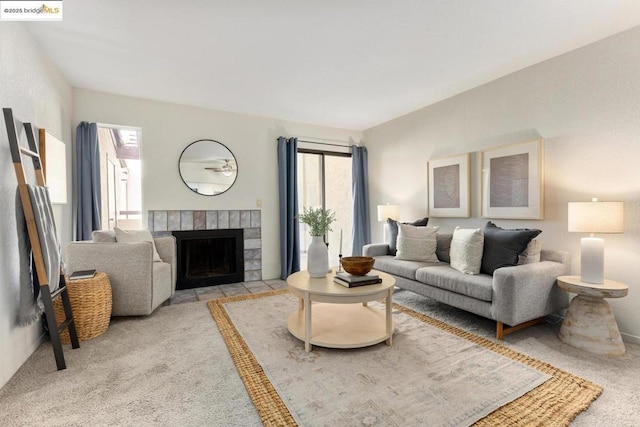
(289, 227)
(87, 180)
(361, 219)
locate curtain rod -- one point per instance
(324, 143)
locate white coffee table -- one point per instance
(331, 315)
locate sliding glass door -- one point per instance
(324, 180)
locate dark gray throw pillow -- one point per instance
(502, 246)
(393, 231)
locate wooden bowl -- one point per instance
(357, 265)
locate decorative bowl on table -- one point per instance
(357, 265)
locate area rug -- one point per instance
(433, 374)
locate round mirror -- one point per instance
(208, 167)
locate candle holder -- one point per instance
(339, 263)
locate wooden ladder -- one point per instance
(47, 297)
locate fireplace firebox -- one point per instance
(209, 257)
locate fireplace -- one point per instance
(209, 257)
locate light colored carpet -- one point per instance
(619, 404)
(434, 374)
(168, 369)
(204, 389)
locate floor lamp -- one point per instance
(384, 212)
(594, 217)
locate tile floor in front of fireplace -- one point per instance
(219, 291)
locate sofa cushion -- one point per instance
(407, 269)
(502, 246)
(417, 243)
(393, 231)
(531, 254)
(466, 250)
(129, 236)
(443, 246)
(478, 286)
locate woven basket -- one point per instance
(91, 305)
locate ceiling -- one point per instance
(343, 63)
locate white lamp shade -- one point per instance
(596, 217)
(388, 211)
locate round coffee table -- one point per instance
(331, 315)
(589, 323)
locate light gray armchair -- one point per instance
(138, 284)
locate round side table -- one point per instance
(589, 323)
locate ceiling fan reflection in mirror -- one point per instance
(226, 169)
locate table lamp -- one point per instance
(594, 217)
(384, 212)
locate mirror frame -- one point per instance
(235, 160)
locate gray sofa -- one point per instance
(138, 284)
(515, 297)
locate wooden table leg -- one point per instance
(307, 323)
(388, 318)
(589, 324)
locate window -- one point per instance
(121, 177)
(324, 180)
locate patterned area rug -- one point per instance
(434, 374)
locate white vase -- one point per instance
(317, 257)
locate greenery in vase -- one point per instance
(319, 220)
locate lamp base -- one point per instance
(592, 260)
(386, 232)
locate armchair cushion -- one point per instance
(129, 236)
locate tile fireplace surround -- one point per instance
(164, 222)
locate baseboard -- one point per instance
(631, 339)
(41, 339)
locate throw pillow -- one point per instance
(417, 243)
(393, 231)
(466, 250)
(502, 246)
(531, 254)
(103, 236)
(130, 236)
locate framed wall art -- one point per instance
(54, 166)
(449, 187)
(513, 181)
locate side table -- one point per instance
(589, 323)
(91, 303)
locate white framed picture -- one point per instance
(54, 166)
(513, 181)
(449, 192)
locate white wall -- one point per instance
(37, 93)
(168, 128)
(585, 104)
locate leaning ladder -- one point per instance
(47, 297)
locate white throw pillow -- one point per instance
(417, 243)
(130, 236)
(466, 250)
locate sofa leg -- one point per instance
(501, 331)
